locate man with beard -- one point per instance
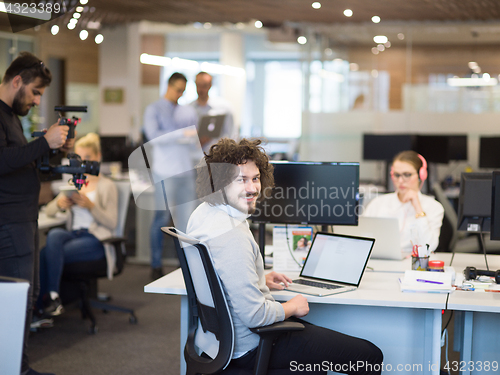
(230, 179)
(22, 86)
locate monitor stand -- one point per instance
(262, 244)
(482, 247)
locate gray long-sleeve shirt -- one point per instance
(238, 262)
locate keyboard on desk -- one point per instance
(316, 284)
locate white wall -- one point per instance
(119, 67)
(338, 136)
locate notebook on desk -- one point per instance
(384, 229)
(335, 264)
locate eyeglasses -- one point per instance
(406, 176)
(179, 90)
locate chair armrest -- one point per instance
(279, 327)
(113, 240)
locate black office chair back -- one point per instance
(207, 304)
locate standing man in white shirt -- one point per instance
(170, 129)
(208, 105)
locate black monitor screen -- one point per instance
(434, 148)
(115, 148)
(386, 146)
(474, 202)
(495, 207)
(489, 157)
(457, 147)
(311, 193)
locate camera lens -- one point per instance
(92, 167)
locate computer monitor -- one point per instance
(495, 207)
(311, 193)
(489, 157)
(386, 146)
(115, 149)
(457, 147)
(474, 202)
(434, 148)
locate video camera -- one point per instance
(77, 167)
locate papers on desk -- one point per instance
(426, 282)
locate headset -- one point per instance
(471, 273)
(422, 172)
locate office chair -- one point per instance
(208, 310)
(83, 276)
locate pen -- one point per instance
(429, 281)
(492, 290)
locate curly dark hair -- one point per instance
(219, 167)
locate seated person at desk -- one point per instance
(94, 216)
(221, 223)
(420, 216)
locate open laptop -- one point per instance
(335, 264)
(211, 126)
(384, 229)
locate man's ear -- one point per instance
(17, 82)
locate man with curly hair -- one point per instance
(230, 180)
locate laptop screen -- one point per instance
(337, 258)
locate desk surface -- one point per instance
(45, 222)
(380, 287)
(376, 289)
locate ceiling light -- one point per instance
(381, 47)
(99, 38)
(348, 13)
(79, 9)
(302, 39)
(472, 64)
(401, 36)
(54, 29)
(155, 60)
(76, 15)
(73, 20)
(94, 25)
(207, 25)
(197, 25)
(258, 24)
(375, 19)
(71, 25)
(387, 44)
(375, 51)
(353, 67)
(380, 39)
(472, 82)
(316, 5)
(84, 34)
(83, 2)
(477, 69)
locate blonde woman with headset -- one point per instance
(420, 216)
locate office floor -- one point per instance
(150, 347)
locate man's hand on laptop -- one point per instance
(275, 280)
(297, 306)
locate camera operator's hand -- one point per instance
(82, 200)
(68, 146)
(64, 202)
(56, 135)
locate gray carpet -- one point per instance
(149, 347)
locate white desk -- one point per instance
(45, 222)
(477, 318)
(406, 326)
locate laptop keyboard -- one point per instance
(316, 284)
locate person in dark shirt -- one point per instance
(23, 84)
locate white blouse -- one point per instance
(419, 231)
